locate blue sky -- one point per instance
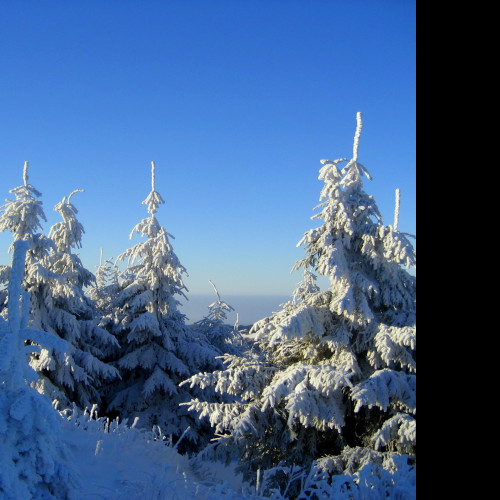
(235, 101)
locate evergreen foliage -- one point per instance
(106, 285)
(158, 350)
(55, 279)
(332, 369)
(318, 400)
(215, 327)
(33, 462)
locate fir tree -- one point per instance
(333, 369)
(158, 348)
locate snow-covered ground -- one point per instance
(111, 461)
(119, 462)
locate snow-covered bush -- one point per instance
(331, 369)
(356, 474)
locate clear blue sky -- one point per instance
(235, 101)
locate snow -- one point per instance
(113, 461)
(317, 400)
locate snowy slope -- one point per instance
(117, 462)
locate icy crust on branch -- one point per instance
(312, 396)
(401, 428)
(68, 233)
(222, 416)
(387, 389)
(153, 201)
(296, 320)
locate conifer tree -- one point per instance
(106, 284)
(331, 370)
(74, 315)
(158, 348)
(33, 462)
(23, 216)
(55, 279)
(215, 327)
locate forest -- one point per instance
(107, 392)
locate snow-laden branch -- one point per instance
(73, 193)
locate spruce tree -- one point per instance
(215, 327)
(106, 284)
(158, 349)
(23, 217)
(55, 279)
(332, 370)
(75, 316)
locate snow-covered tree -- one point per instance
(23, 216)
(33, 462)
(336, 368)
(215, 327)
(55, 278)
(106, 284)
(158, 349)
(73, 316)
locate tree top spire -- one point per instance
(357, 135)
(154, 198)
(25, 173)
(397, 209)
